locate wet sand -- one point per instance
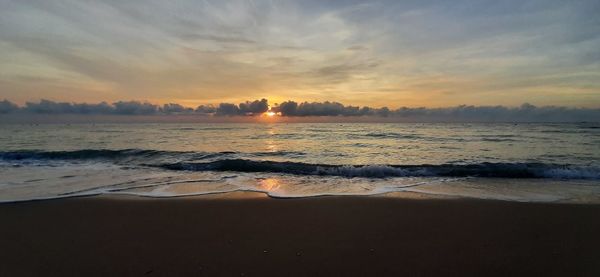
(251, 235)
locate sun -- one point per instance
(270, 112)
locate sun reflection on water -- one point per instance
(269, 184)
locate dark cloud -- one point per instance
(287, 108)
(524, 113)
(48, 107)
(463, 113)
(101, 108)
(248, 108)
(51, 107)
(134, 108)
(228, 109)
(320, 109)
(255, 107)
(291, 108)
(8, 107)
(206, 109)
(173, 108)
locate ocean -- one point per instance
(514, 162)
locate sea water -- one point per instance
(517, 162)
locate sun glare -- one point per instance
(269, 112)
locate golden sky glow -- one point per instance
(375, 53)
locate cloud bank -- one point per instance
(464, 113)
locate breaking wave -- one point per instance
(243, 162)
(496, 170)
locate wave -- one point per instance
(123, 155)
(497, 139)
(86, 154)
(393, 135)
(133, 154)
(496, 170)
(239, 162)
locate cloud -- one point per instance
(206, 109)
(173, 108)
(523, 113)
(291, 108)
(430, 53)
(248, 108)
(50, 107)
(287, 108)
(463, 113)
(228, 109)
(255, 107)
(92, 108)
(8, 107)
(134, 108)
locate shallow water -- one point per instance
(520, 162)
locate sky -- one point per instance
(375, 53)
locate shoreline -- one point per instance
(251, 234)
(250, 194)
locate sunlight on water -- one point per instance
(270, 184)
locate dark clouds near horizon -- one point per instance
(464, 113)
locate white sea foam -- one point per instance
(23, 184)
